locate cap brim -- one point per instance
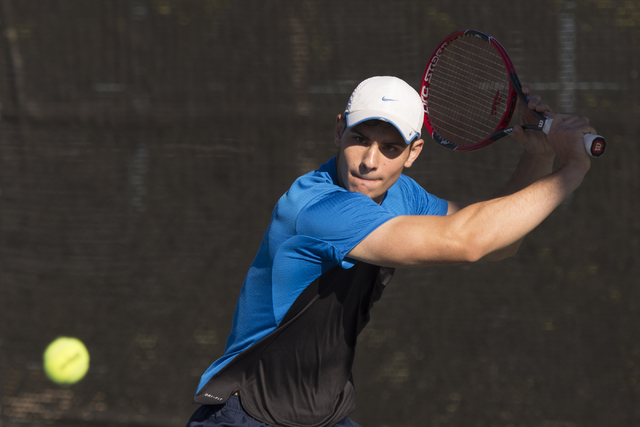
(408, 134)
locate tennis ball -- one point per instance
(66, 360)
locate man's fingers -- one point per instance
(542, 108)
(519, 135)
(517, 131)
(559, 118)
(569, 122)
(534, 99)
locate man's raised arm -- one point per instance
(488, 227)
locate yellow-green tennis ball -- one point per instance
(66, 360)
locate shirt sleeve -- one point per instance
(407, 197)
(341, 219)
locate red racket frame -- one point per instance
(501, 128)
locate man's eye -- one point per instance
(359, 139)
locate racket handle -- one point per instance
(594, 144)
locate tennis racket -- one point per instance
(470, 90)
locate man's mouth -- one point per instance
(364, 178)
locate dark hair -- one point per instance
(376, 122)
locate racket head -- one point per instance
(466, 91)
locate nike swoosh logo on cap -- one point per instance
(384, 98)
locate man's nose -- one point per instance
(371, 157)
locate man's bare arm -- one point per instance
(482, 229)
(536, 162)
(470, 234)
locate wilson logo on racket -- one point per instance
(598, 148)
(498, 100)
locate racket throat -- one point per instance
(517, 86)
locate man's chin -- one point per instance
(370, 193)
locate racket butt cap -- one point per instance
(595, 145)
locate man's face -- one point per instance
(372, 157)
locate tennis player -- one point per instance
(334, 240)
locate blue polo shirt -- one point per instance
(313, 227)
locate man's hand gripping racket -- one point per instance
(470, 89)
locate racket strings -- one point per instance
(466, 99)
(468, 91)
(460, 77)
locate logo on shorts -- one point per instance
(213, 397)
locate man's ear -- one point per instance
(341, 124)
(416, 149)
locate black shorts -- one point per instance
(231, 414)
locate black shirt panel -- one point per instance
(300, 374)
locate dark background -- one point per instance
(144, 144)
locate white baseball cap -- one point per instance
(389, 99)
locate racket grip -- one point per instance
(594, 144)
